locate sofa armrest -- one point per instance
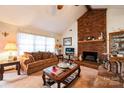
(23, 63)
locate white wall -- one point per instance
(115, 22)
(72, 34)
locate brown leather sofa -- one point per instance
(36, 61)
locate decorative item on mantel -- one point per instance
(101, 36)
(89, 38)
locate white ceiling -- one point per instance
(45, 17)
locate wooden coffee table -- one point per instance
(8, 63)
(63, 77)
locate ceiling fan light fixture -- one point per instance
(59, 7)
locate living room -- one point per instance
(52, 30)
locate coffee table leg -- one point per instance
(44, 79)
(58, 85)
(79, 70)
(18, 68)
(1, 72)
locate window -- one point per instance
(30, 43)
(49, 44)
(39, 43)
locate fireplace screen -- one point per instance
(90, 56)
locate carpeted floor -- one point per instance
(12, 80)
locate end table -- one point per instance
(5, 64)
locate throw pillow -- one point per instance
(27, 61)
(31, 58)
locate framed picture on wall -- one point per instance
(67, 41)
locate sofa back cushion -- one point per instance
(37, 55)
(46, 55)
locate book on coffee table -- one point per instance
(55, 70)
(58, 72)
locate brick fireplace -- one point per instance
(90, 27)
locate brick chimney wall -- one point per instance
(92, 23)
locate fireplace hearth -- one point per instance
(89, 56)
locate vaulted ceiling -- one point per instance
(45, 17)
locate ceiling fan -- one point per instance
(54, 8)
(59, 7)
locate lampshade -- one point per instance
(10, 47)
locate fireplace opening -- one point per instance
(90, 56)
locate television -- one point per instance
(69, 50)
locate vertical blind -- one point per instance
(32, 43)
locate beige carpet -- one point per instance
(12, 80)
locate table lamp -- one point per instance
(11, 47)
